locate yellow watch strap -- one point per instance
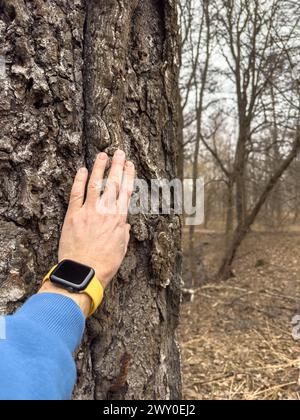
(47, 276)
(94, 290)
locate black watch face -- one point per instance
(72, 275)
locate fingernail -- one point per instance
(130, 164)
(82, 170)
(120, 153)
(102, 156)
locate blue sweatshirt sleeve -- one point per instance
(36, 352)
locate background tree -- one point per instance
(84, 77)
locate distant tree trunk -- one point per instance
(230, 207)
(240, 173)
(192, 229)
(180, 154)
(277, 194)
(84, 77)
(229, 212)
(241, 210)
(209, 197)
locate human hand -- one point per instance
(95, 231)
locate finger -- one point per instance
(78, 190)
(96, 179)
(108, 201)
(116, 172)
(126, 188)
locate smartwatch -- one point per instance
(77, 278)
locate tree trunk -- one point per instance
(241, 210)
(240, 177)
(229, 210)
(180, 141)
(277, 203)
(84, 77)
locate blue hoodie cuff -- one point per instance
(57, 314)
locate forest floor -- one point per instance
(237, 337)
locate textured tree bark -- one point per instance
(84, 77)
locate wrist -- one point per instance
(81, 299)
(103, 276)
(77, 281)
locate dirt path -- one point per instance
(236, 337)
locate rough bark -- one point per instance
(82, 78)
